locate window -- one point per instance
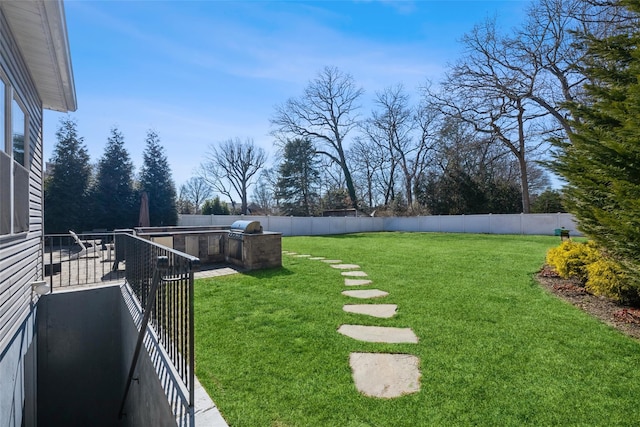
(14, 163)
(17, 133)
(5, 167)
(19, 154)
(3, 116)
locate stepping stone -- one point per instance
(345, 266)
(315, 258)
(383, 311)
(356, 282)
(332, 261)
(366, 293)
(354, 273)
(303, 256)
(379, 334)
(385, 375)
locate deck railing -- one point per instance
(171, 314)
(83, 259)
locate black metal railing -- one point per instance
(80, 259)
(168, 306)
(119, 256)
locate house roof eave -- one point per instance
(40, 30)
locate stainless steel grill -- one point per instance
(241, 227)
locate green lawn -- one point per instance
(495, 348)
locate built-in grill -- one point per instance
(241, 227)
(237, 234)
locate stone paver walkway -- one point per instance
(365, 293)
(383, 311)
(345, 266)
(385, 375)
(354, 273)
(382, 375)
(357, 282)
(215, 272)
(379, 334)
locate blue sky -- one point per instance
(201, 72)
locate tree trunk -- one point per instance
(524, 184)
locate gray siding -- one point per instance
(21, 255)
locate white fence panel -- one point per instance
(543, 224)
(430, 223)
(539, 223)
(569, 222)
(281, 224)
(369, 224)
(409, 224)
(194, 220)
(477, 223)
(507, 224)
(452, 223)
(300, 226)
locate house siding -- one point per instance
(21, 256)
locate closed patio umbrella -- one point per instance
(143, 220)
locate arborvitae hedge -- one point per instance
(601, 162)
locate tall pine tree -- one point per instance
(156, 180)
(66, 190)
(298, 178)
(601, 162)
(114, 196)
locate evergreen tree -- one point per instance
(215, 207)
(601, 163)
(114, 195)
(298, 178)
(66, 190)
(549, 201)
(155, 179)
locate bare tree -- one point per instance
(264, 194)
(185, 207)
(229, 167)
(195, 191)
(325, 114)
(549, 50)
(369, 162)
(331, 176)
(489, 90)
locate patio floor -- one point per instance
(99, 268)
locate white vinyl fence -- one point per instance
(541, 224)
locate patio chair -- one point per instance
(87, 247)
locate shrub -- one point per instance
(606, 277)
(570, 259)
(600, 274)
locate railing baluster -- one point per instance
(157, 277)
